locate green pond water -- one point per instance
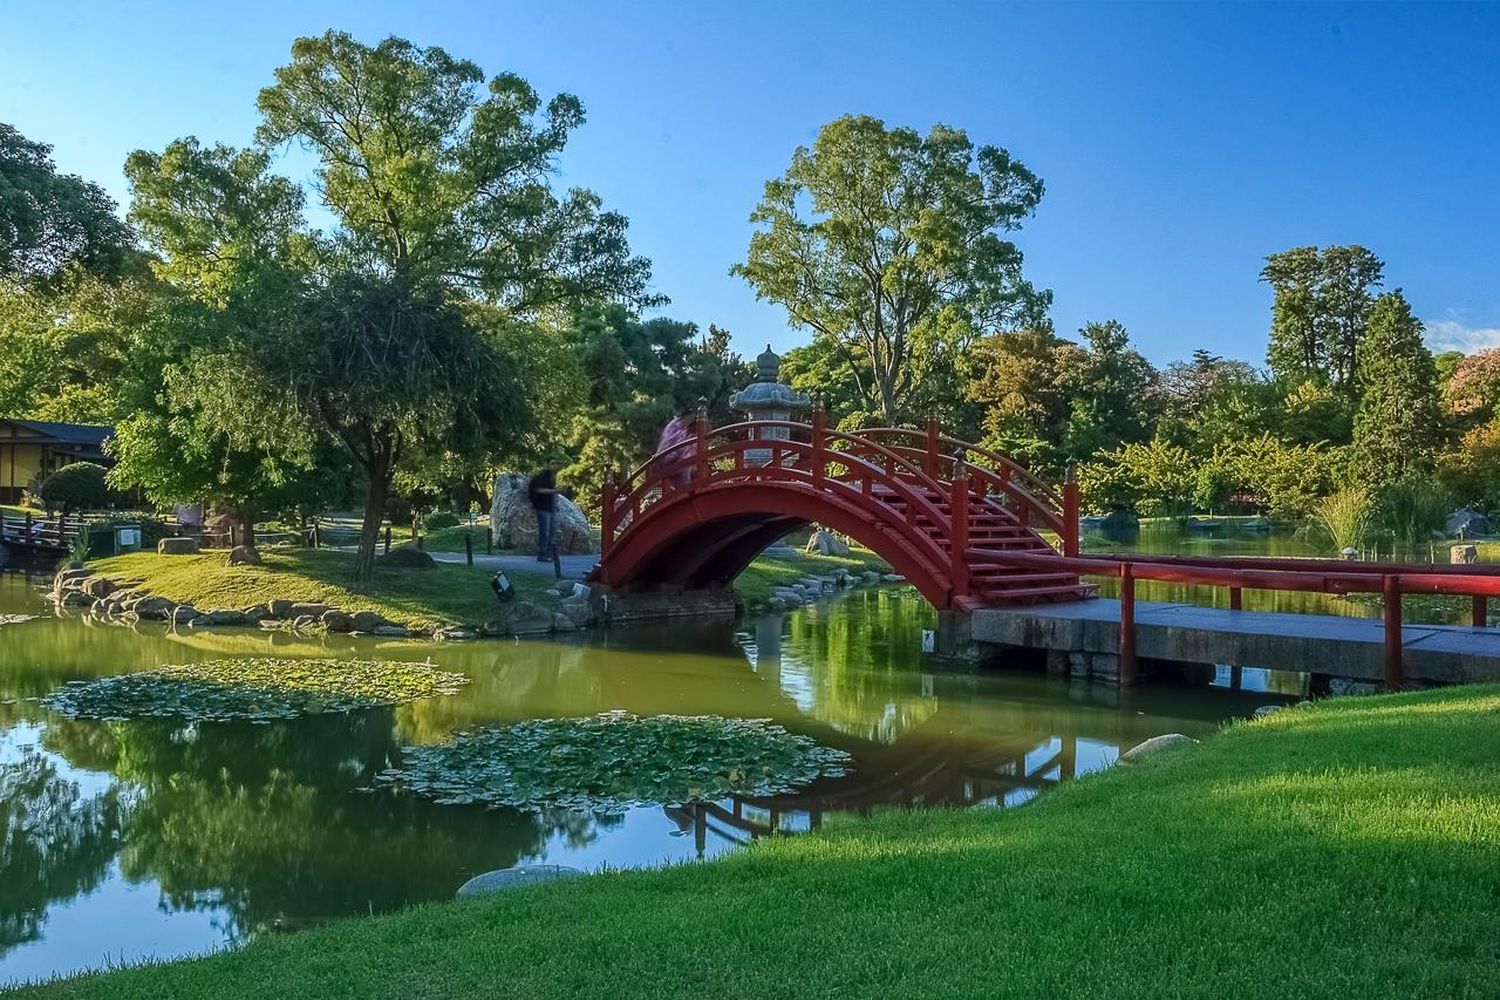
(126, 840)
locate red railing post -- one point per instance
(1127, 624)
(1390, 587)
(1481, 617)
(934, 432)
(607, 513)
(958, 518)
(819, 458)
(700, 430)
(1070, 514)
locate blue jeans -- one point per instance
(544, 519)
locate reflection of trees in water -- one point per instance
(54, 843)
(852, 664)
(264, 823)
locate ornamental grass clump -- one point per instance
(614, 760)
(257, 688)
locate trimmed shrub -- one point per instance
(442, 519)
(80, 486)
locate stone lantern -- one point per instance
(768, 399)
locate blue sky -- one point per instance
(1179, 144)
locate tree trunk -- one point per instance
(377, 488)
(245, 514)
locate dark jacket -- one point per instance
(544, 480)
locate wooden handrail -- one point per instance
(1389, 580)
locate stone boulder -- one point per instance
(243, 555)
(521, 618)
(514, 522)
(280, 609)
(1155, 746)
(153, 609)
(1465, 523)
(579, 611)
(390, 630)
(407, 558)
(99, 586)
(177, 546)
(514, 878)
(825, 543)
(220, 617)
(368, 621)
(335, 620)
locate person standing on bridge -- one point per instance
(542, 490)
(678, 445)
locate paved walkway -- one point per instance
(573, 567)
(1319, 644)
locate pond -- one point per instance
(154, 838)
(1235, 537)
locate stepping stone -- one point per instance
(513, 878)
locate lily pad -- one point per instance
(614, 760)
(256, 688)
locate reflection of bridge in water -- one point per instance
(933, 765)
(966, 751)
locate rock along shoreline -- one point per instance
(577, 606)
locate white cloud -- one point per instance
(1451, 335)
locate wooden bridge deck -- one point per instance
(1330, 645)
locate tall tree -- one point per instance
(433, 173)
(891, 247)
(1114, 399)
(398, 374)
(1320, 312)
(51, 221)
(209, 420)
(1026, 382)
(1398, 425)
(440, 185)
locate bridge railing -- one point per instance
(913, 465)
(1325, 576)
(810, 455)
(1032, 498)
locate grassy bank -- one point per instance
(1348, 849)
(443, 594)
(765, 574)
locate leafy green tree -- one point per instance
(396, 373)
(1212, 486)
(1113, 400)
(209, 420)
(50, 222)
(1026, 383)
(1321, 311)
(434, 173)
(892, 248)
(1470, 468)
(636, 375)
(65, 350)
(1398, 425)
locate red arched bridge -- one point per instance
(698, 512)
(965, 526)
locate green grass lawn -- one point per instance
(452, 539)
(763, 575)
(445, 593)
(1347, 849)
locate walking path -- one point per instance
(1321, 644)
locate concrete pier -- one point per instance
(1088, 634)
